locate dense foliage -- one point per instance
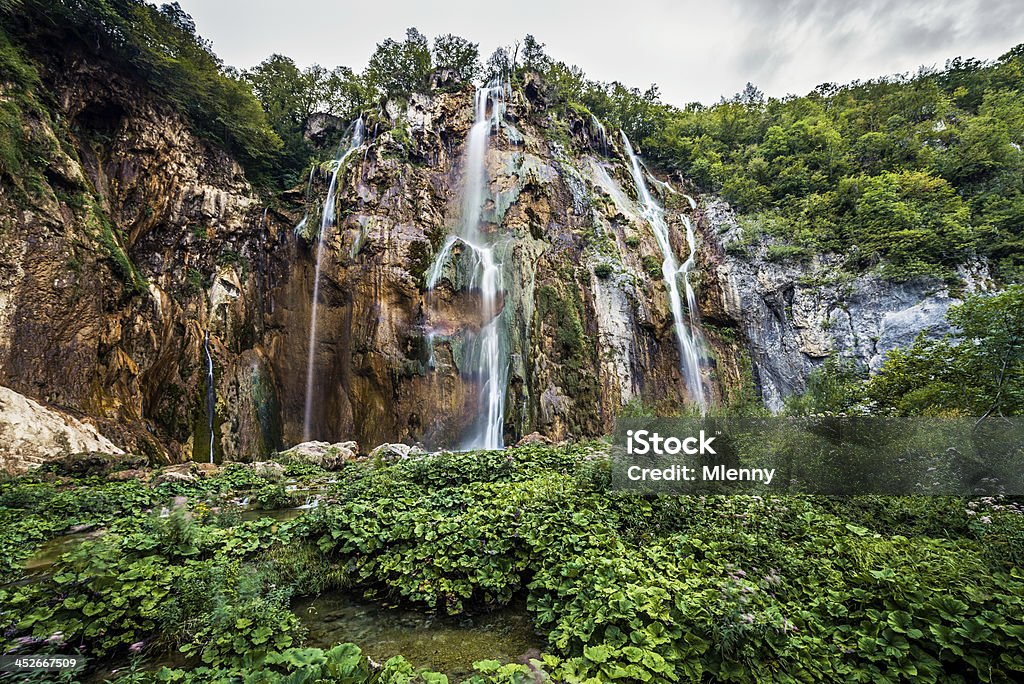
(621, 587)
(914, 172)
(396, 69)
(160, 46)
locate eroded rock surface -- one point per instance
(32, 434)
(794, 315)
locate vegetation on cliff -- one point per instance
(977, 372)
(160, 46)
(914, 172)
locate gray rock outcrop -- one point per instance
(32, 434)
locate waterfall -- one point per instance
(691, 297)
(327, 221)
(485, 356)
(211, 398)
(689, 339)
(598, 129)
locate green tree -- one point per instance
(534, 57)
(912, 219)
(399, 69)
(459, 56)
(161, 47)
(499, 65)
(978, 372)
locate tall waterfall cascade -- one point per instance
(328, 219)
(687, 326)
(480, 268)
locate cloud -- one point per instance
(792, 45)
(693, 49)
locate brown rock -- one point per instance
(182, 472)
(126, 475)
(532, 439)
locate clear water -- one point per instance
(445, 644)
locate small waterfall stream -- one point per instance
(691, 297)
(687, 332)
(327, 221)
(485, 356)
(602, 135)
(211, 397)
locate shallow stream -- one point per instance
(445, 644)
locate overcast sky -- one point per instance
(695, 50)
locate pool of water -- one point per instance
(445, 644)
(39, 563)
(281, 514)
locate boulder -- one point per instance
(100, 464)
(207, 469)
(126, 475)
(269, 470)
(533, 439)
(31, 434)
(181, 472)
(322, 454)
(395, 452)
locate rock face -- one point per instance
(133, 241)
(142, 255)
(795, 315)
(322, 454)
(31, 434)
(588, 328)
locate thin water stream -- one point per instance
(328, 220)
(687, 333)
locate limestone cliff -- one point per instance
(131, 238)
(137, 238)
(793, 314)
(589, 329)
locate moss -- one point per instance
(787, 253)
(11, 140)
(561, 311)
(233, 258)
(652, 267)
(603, 270)
(194, 281)
(268, 410)
(565, 320)
(557, 131)
(420, 257)
(111, 241)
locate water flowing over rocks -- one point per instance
(148, 272)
